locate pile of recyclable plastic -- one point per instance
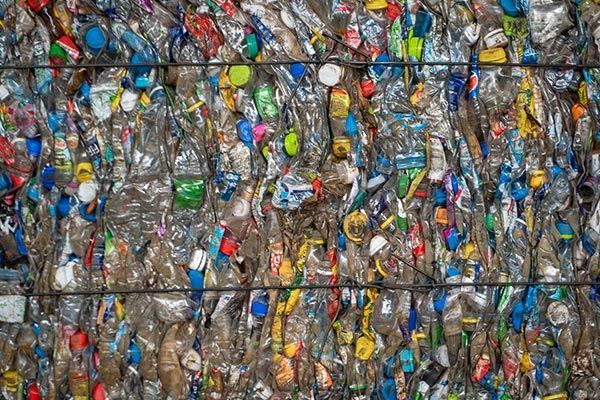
(381, 199)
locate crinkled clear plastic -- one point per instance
(422, 231)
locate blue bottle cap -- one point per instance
(141, 82)
(259, 308)
(53, 121)
(244, 131)
(64, 206)
(196, 279)
(34, 146)
(95, 39)
(135, 355)
(297, 69)
(48, 176)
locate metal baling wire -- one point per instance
(349, 63)
(377, 285)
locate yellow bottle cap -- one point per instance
(537, 179)
(497, 55)
(355, 226)
(290, 143)
(240, 75)
(84, 172)
(376, 4)
(341, 146)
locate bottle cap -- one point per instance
(251, 49)
(330, 74)
(355, 226)
(99, 393)
(244, 130)
(48, 175)
(83, 172)
(95, 39)
(367, 87)
(142, 82)
(86, 192)
(64, 206)
(259, 308)
(240, 75)
(33, 194)
(78, 341)
(376, 4)
(380, 69)
(33, 392)
(290, 143)
(537, 178)
(493, 55)
(377, 243)
(87, 213)
(341, 146)
(258, 132)
(37, 5)
(198, 260)
(287, 19)
(297, 69)
(577, 111)
(34, 146)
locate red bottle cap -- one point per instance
(33, 392)
(393, 11)
(37, 5)
(78, 341)
(228, 246)
(98, 392)
(367, 87)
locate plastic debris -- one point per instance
(435, 224)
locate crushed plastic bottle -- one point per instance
(284, 208)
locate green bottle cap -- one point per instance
(290, 143)
(240, 75)
(251, 46)
(489, 222)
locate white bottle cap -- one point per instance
(377, 243)
(198, 260)
(241, 208)
(192, 360)
(330, 74)
(287, 19)
(86, 192)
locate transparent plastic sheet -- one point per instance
(361, 229)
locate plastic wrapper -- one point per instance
(259, 199)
